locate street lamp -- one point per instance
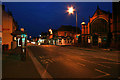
(83, 29)
(40, 35)
(71, 11)
(50, 30)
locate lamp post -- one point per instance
(83, 32)
(50, 30)
(71, 11)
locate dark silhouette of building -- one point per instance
(116, 25)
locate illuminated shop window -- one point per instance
(15, 38)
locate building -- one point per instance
(102, 29)
(19, 37)
(116, 24)
(65, 35)
(98, 28)
(52, 36)
(8, 26)
(0, 24)
(44, 38)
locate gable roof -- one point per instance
(100, 12)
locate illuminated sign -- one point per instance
(77, 35)
(23, 39)
(15, 38)
(23, 35)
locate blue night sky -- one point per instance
(37, 17)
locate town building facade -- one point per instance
(65, 35)
(8, 26)
(19, 37)
(99, 31)
(116, 24)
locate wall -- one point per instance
(68, 33)
(116, 24)
(65, 40)
(7, 24)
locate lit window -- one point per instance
(15, 38)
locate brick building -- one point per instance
(8, 26)
(102, 29)
(116, 24)
(65, 35)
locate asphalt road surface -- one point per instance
(70, 62)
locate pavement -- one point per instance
(14, 68)
(72, 62)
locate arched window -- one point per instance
(99, 26)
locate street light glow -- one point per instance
(39, 35)
(50, 30)
(83, 23)
(70, 10)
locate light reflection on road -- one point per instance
(76, 62)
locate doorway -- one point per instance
(95, 40)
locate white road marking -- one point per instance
(76, 63)
(81, 64)
(104, 66)
(105, 74)
(111, 62)
(49, 60)
(41, 70)
(95, 63)
(89, 61)
(107, 58)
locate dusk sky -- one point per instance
(37, 17)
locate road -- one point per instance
(70, 62)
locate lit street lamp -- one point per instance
(50, 30)
(71, 11)
(83, 27)
(40, 35)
